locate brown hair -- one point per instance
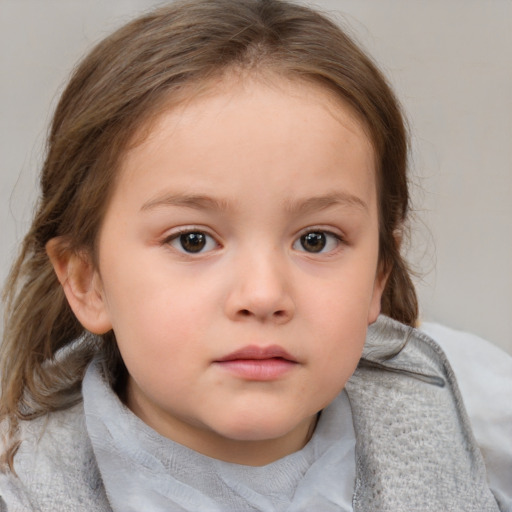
(114, 92)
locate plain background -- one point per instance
(450, 62)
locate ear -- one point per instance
(378, 289)
(381, 279)
(82, 285)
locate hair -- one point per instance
(112, 95)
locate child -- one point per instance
(194, 319)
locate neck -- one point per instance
(261, 452)
(201, 439)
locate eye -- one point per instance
(192, 242)
(317, 242)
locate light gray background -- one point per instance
(450, 62)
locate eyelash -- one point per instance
(177, 237)
(204, 239)
(329, 235)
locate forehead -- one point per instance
(231, 85)
(239, 126)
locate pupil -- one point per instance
(193, 242)
(313, 242)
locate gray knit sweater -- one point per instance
(414, 448)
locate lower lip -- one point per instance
(258, 369)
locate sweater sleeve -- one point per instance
(484, 375)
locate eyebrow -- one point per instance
(312, 204)
(303, 206)
(194, 201)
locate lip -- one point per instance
(258, 353)
(258, 363)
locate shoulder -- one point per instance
(484, 371)
(411, 424)
(484, 376)
(55, 466)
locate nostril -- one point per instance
(279, 314)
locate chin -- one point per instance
(260, 429)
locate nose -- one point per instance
(261, 290)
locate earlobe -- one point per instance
(82, 285)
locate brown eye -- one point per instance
(313, 242)
(192, 242)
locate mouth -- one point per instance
(258, 363)
(258, 353)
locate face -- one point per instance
(237, 266)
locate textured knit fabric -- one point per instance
(414, 451)
(415, 448)
(484, 376)
(56, 468)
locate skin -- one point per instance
(251, 167)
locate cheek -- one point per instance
(339, 313)
(340, 346)
(158, 319)
(342, 303)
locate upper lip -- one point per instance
(257, 352)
